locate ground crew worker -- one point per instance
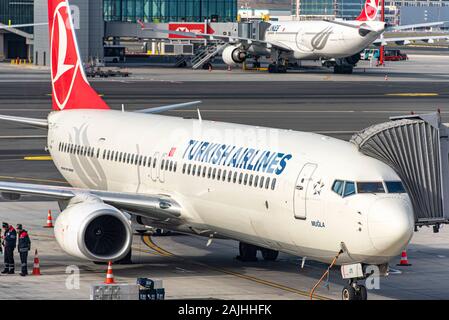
(9, 243)
(23, 246)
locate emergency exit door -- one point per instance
(301, 189)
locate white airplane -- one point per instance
(336, 43)
(272, 190)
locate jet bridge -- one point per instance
(417, 148)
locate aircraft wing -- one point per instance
(407, 40)
(152, 206)
(417, 25)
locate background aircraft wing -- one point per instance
(417, 25)
(407, 40)
(160, 207)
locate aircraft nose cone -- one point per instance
(390, 224)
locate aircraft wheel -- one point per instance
(248, 252)
(269, 255)
(363, 293)
(349, 293)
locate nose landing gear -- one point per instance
(354, 291)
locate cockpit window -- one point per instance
(370, 187)
(395, 187)
(338, 187)
(349, 189)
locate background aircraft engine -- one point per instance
(94, 231)
(232, 56)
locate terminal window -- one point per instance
(170, 10)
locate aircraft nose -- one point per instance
(390, 224)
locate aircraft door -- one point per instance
(301, 190)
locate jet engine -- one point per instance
(93, 230)
(233, 55)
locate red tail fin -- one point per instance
(70, 88)
(369, 11)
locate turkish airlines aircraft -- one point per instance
(270, 189)
(336, 43)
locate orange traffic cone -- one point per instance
(49, 220)
(404, 259)
(109, 275)
(36, 267)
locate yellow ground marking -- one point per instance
(33, 179)
(417, 94)
(149, 242)
(38, 158)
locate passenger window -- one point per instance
(235, 177)
(204, 171)
(267, 183)
(166, 165)
(245, 180)
(240, 178)
(189, 168)
(219, 174)
(337, 187)
(194, 170)
(229, 176)
(154, 162)
(163, 163)
(273, 184)
(171, 166)
(176, 167)
(224, 176)
(370, 187)
(256, 181)
(261, 181)
(184, 168)
(199, 171)
(213, 173)
(149, 161)
(209, 172)
(349, 189)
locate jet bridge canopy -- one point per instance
(417, 148)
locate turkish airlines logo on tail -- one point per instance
(64, 58)
(370, 10)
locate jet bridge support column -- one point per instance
(417, 148)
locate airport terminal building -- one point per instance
(101, 22)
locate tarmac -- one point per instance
(313, 99)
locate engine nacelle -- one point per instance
(94, 231)
(233, 55)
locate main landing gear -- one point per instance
(343, 69)
(354, 291)
(277, 68)
(248, 253)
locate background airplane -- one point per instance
(300, 193)
(336, 43)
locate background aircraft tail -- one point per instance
(70, 88)
(370, 11)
